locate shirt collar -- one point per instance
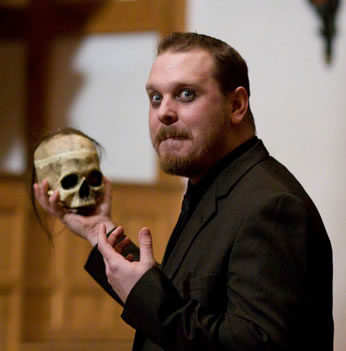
(195, 191)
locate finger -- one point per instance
(113, 238)
(121, 246)
(104, 203)
(102, 236)
(130, 257)
(145, 246)
(107, 270)
(53, 200)
(55, 207)
(41, 195)
(44, 188)
(37, 193)
(108, 191)
(36, 190)
(106, 266)
(104, 247)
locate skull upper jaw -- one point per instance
(74, 200)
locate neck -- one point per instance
(234, 143)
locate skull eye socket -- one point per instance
(94, 178)
(69, 181)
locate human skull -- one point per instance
(70, 164)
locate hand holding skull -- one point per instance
(70, 181)
(70, 164)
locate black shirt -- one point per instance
(195, 192)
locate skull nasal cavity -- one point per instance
(84, 190)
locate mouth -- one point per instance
(169, 136)
(165, 137)
(170, 140)
(173, 137)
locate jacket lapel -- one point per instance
(205, 210)
(207, 207)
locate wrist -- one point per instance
(110, 226)
(92, 237)
(92, 240)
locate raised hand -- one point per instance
(85, 226)
(121, 272)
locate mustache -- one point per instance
(170, 132)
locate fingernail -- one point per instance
(146, 232)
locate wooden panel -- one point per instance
(12, 209)
(62, 304)
(13, 23)
(156, 207)
(85, 17)
(11, 216)
(14, 3)
(107, 16)
(77, 346)
(4, 318)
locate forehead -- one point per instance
(194, 65)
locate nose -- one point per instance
(84, 190)
(167, 113)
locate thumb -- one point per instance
(146, 247)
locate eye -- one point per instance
(69, 181)
(94, 178)
(155, 98)
(186, 95)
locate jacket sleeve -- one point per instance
(264, 285)
(96, 268)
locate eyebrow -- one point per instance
(149, 87)
(176, 85)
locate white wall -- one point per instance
(298, 101)
(98, 86)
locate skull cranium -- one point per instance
(70, 164)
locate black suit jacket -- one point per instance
(252, 270)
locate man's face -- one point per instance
(188, 117)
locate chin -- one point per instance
(180, 166)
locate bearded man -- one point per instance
(249, 263)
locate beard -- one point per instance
(202, 155)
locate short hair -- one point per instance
(230, 68)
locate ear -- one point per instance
(239, 103)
